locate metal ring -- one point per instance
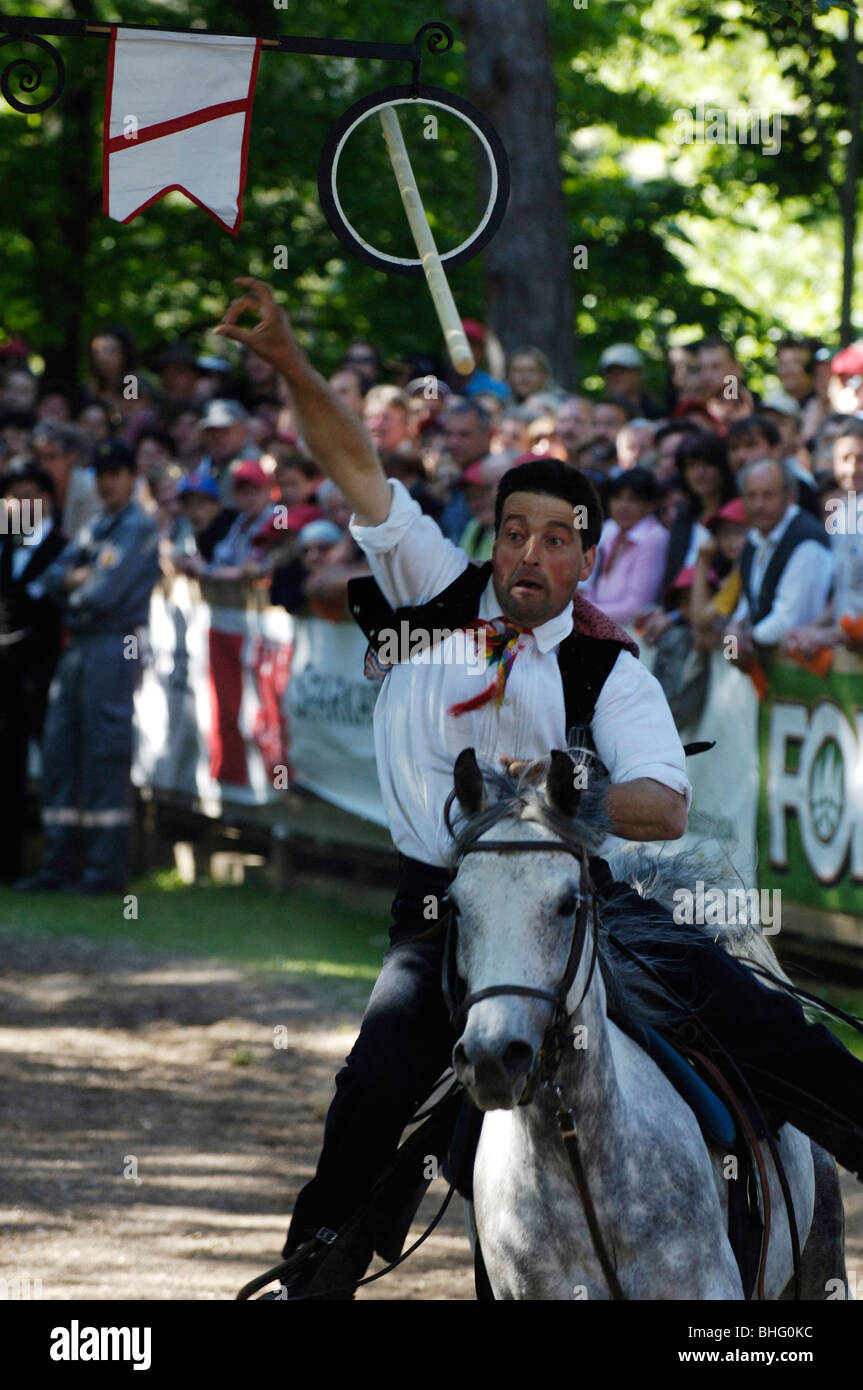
(398, 96)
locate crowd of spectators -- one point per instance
(729, 515)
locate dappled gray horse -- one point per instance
(656, 1194)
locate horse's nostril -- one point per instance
(459, 1056)
(517, 1058)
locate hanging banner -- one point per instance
(237, 703)
(330, 705)
(178, 109)
(810, 809)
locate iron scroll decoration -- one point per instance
(30, 80)
(434, 37)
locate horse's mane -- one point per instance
(630, 989)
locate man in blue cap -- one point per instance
(103, 580)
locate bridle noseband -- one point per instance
(555, 1038)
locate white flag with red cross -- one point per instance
(178, 107)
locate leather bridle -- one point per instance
(556, 1036)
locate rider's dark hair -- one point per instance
(556, 479)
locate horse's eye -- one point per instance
(567, 906)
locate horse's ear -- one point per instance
(560, 789)
(468, 782)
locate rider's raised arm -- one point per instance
(336, 439)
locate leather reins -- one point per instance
(555, 1037)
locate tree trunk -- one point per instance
(62, 244)
(528, 263)
(848, 190)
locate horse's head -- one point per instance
(524, 944)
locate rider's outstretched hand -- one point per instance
(271, 338)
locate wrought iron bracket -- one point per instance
(435, 37)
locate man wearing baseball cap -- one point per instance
(251, 488)
(622, 367)
(210, 521)
(224, 431)
(103, 581)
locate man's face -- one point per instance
(346, 386)
(665, 465)
(115, 487)
(316, 555)
(574, 420)
(789, 369)
(623, 381)
(19, 391)
(749, 447)
(14, 440)
(150, 453)
(466, 438)
(54, 408)
(714, 365)
(179, 380)
(848, 462)
(511, 434)
(294, 486)
(607, 420)
(250, 498)
(789, 431)
(93, 423)
(388, 427)
(634, 443)
(108, 354)
(538, 557)
(765, 498)
(200, 509)
(525, 376)
(627, 509)
(223, 442)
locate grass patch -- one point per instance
(304, 932)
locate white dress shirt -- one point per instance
(803, 589)
(847, 545)
(417, 740)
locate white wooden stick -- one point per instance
(454, 335)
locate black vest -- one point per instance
(584, 662)
(803, 528)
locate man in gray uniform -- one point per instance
(103, 579)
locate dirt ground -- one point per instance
(154, 1136)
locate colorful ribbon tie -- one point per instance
(501, 647)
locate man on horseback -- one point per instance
(555, 664)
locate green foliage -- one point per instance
(681, 238)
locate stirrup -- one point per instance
(322, 1239)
